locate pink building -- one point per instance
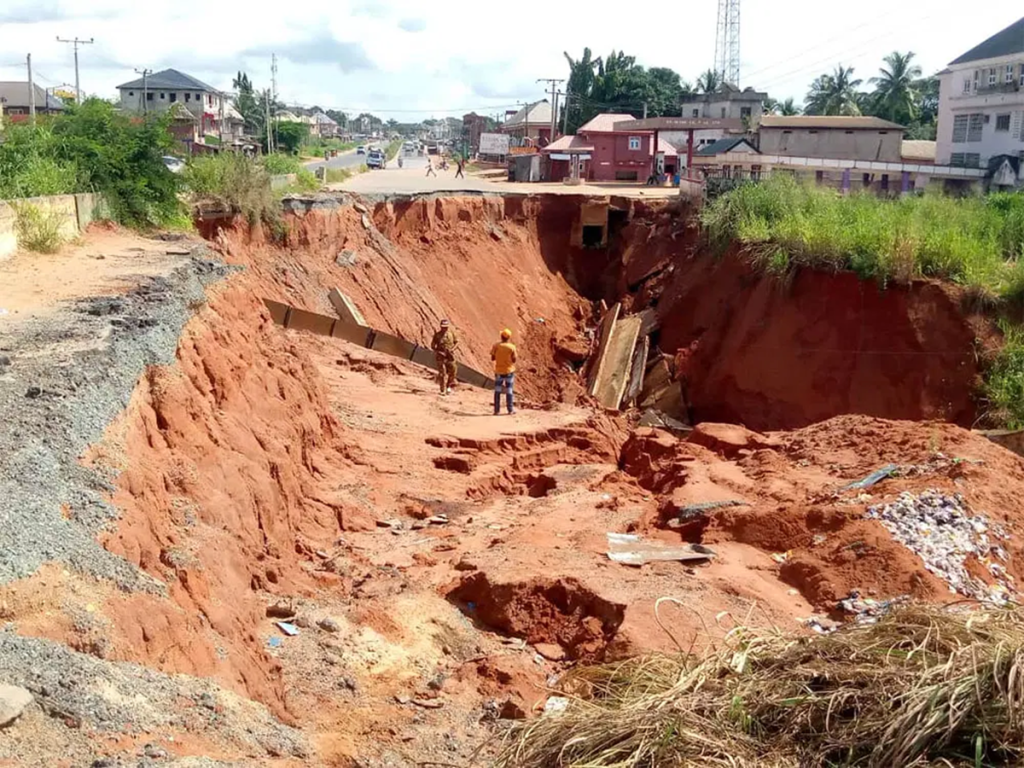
(610, 155)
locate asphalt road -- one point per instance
(412, 178)
(347, 160)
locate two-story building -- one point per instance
(608, 149)
(743, 109)
(531, 124)
(159, 91)
(981, 107)
(831, 136)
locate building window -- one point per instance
(174, 97)
(163, 95)
(1009, 73)
(1022, 75)
(812, 132)
(957, 159)
(992, 76)
(723, 113)
(210, 100)
(972, 159)
(744, 113)
(634, 143)
(819, 176)
(849, 133)
(696, 112)
(885, 182)
(149, 96)
(975, 126)
(1002, 122)
(967, 85)
(977, 74)
(883, 133)
(188, 96)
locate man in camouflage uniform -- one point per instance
(444, 345)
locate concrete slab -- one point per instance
(613, 377)
(345, 307)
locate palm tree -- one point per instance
(582, 73)
(709, 82)
(896, 96)
(771, 106)
(834, 94)
(788, 108)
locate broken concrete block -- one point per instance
(13, 701)
(346, 308)
(346, 258)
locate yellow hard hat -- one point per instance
(506, 334)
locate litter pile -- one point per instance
(940, 529)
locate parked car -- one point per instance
(360, 150)
(174, 164)
(376, 159)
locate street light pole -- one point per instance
(76, 42)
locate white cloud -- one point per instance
(402, 59)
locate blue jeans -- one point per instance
(504, 381)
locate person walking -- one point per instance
(444, 344)
(504, 356)
(430, 168)
(460, 164)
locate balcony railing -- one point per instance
(1013, 87)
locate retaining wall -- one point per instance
(76, 212)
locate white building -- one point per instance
(160, 91)
(981, 108)
(746, 107)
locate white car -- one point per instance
(360, 150)
(174, 164)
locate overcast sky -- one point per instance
(410, 59)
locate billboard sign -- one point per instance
(493, 144)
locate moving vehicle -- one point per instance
(375, 159)
(360, 150)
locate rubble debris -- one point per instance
(281, 610)
(655, 418)
(13, 700)
(289, 629)
(327, 624)
(630, 549)
(866, 610)
(346, 308)
(873, 479)
(941, 530)
(555, 705)
(347, 258)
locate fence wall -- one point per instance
(75, 212)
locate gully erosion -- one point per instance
(237, 534)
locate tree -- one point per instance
(834, 94)
(709, 82)
(580, 86)
(247, 104)
(290, 136)
(896, 96)
(788, 108)
(337, 116)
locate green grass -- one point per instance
(38, 229)
(278, 164)
(1004, 382)
(784, 224)
(233, 181)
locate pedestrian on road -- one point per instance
(458, 171)
(504, 356)
(444, 345)
(430, 169)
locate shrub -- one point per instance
(233, 181)
(38, 229)
(1004, 384)
(277, 164)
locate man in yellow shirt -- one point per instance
(504, 356)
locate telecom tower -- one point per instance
(727, 42)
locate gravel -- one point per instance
(941, 530)
(119, 697)
(69, 375)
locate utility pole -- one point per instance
(565, 117)
(554, 115)
(645, 110)
(145, 88)
(31, 91)
(220, 124)
(270, 127)
(273, 91)
(76, 42)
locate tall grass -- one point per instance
(39, 229)
(233, 181)
(784, 224)
(923, 686)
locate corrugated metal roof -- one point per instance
(569, 144)
(830, 121)
(170, 79)
(721, 146)
(919, 151)
(667, 148)
(540, 113)
(604, 123)
(1005, 43)
(15, 94)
